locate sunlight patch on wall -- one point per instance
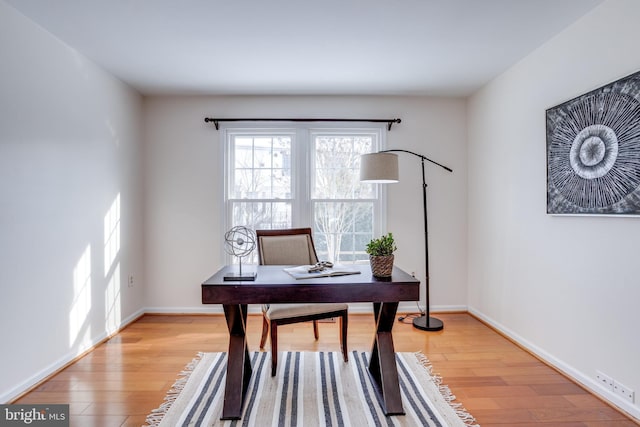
(111, 235)
(79, 331)
(113, 314)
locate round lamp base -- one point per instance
(428, 323)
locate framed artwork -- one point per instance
(593, 152)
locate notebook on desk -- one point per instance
(308, 272)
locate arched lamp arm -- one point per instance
(418, 155)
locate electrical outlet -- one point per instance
(130, 283)
(605, 380)
(623, 391)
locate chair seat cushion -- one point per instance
(281, 311)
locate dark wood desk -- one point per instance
(273, 285)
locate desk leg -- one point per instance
(382, 365)
(238, 362)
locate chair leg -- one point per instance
(274, 347)
(316, 333)
(344, 320)
(265, 331)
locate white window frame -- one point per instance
(301, 161)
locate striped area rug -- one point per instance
(310, 389)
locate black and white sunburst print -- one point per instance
(593, 152)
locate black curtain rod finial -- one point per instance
(215, 122)
(391, 122)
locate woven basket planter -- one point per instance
(381, 266)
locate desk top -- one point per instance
(274, 285)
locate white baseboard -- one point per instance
(580, 377)
(205, 309)
(63, 361)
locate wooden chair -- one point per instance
(294, 247)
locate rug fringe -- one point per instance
(446, 393)
(157, 415)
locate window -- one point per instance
(305, 177)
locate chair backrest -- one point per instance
(291, 246)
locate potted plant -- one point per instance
(381, 255)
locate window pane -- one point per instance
(344, 229)
(243, 152)
(282, 184)
(261, 215)
(337, 166)
(261, 167)
(320, 242)
(243, 183)
(367, 190)
(263, 184)
(262, 153)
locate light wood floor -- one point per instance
(122, 380)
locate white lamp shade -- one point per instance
(379, 168)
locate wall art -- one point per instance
(593, 152)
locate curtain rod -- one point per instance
(217, 121)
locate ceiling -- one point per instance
(289, 47)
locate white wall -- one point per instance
(184, 192)
(566, 287)
(69, 145)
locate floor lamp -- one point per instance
(382, 167)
